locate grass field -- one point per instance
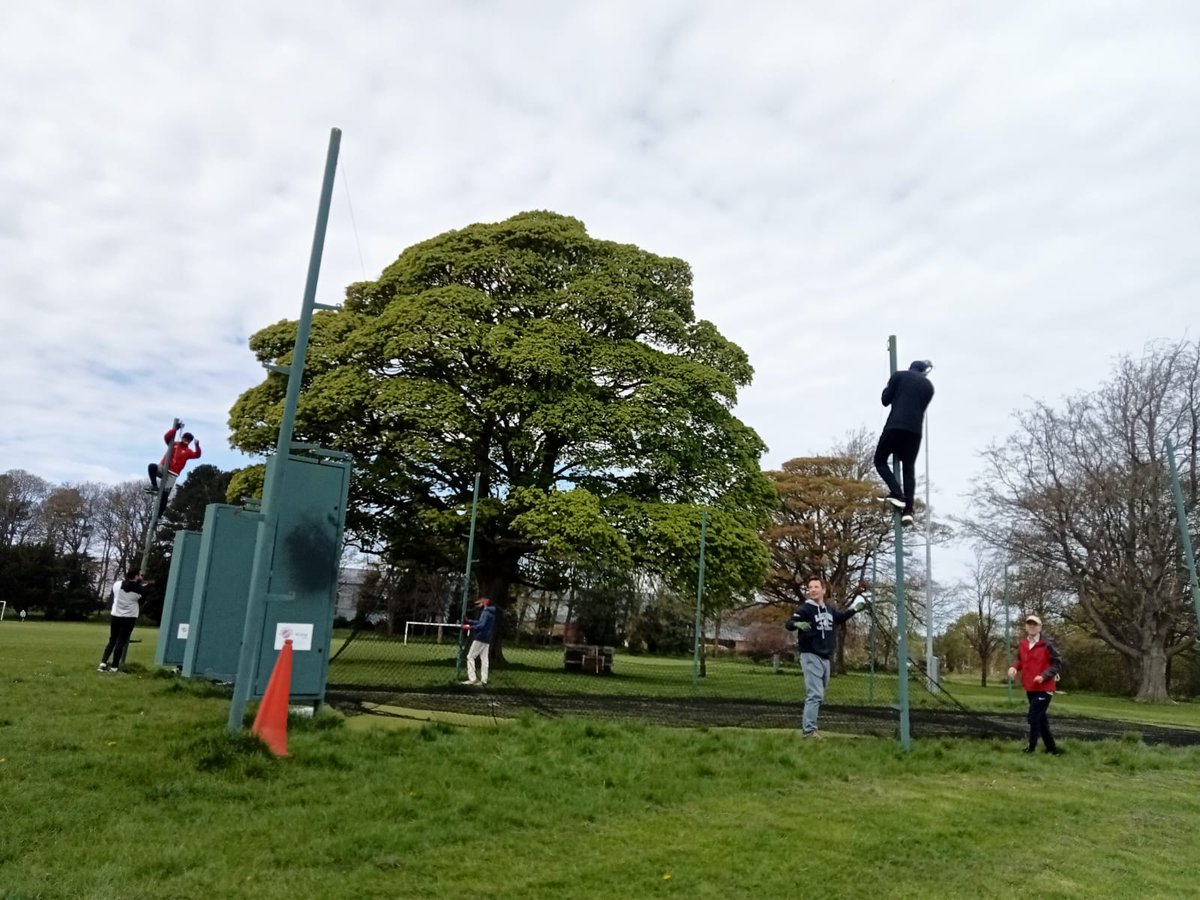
(127, 786)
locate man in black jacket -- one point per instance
(908, 394)
(813, 623)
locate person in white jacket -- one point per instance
(127, 595)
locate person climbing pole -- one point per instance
(176, 457)
(908, 394)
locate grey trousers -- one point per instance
(816, 679)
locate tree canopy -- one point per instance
(570, 373)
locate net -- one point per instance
(419, 672)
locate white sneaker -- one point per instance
(103, 667)
(897, 502)
(114, 670)
(469, 681)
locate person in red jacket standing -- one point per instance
(1039, 664)
(176, 457)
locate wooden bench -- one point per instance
(588, 658)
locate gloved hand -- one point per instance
(860, 603)
(178, 424)
(804, 626)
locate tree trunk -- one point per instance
(495, 578)
(1152, 676)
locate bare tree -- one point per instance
(980, 597)
(65, 517)
(21, 496)
(1082, 494)
(122, 521)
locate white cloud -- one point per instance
(1013, 190)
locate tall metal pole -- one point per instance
(467, 573)
(901, 612)
(268, 523)
(699, 603)
(871, 614)
(931, 666)
(151, 529)
(154, 514)
(1008, 654)
(1185, 536)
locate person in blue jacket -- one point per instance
(908, 394)
(482, 629)
(814, 621)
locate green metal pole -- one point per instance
(1185, 537)
(871, 614)
(467, 574)
(268, 523)
(699, 603)
(1008, 654)
(158, 497)
(901, 611)
(153, 527)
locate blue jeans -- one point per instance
(816, 679)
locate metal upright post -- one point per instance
(901, 611)
(1185, 536)
(268, 523)
(150, 530)
(467, 573)
(932, 668)
(699, 603)
(871, 615)
(1008, 654)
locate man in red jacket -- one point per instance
(1039, 664)
(176, 457)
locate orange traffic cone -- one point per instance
(270, 723)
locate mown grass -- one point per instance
(127, 786)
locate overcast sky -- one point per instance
(1013, 189)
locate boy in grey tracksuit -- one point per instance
(814, 624)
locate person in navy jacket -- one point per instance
(908, 394)
(816, 640)
(1039, 663)
(482, 629)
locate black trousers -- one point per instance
(168, 483)
(120, 630)
(905, 445)
(1039, 723)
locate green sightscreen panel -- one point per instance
(177, 602)
(302, 591)
(218, 614)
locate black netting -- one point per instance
(392, 675)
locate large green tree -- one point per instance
(570, 373)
